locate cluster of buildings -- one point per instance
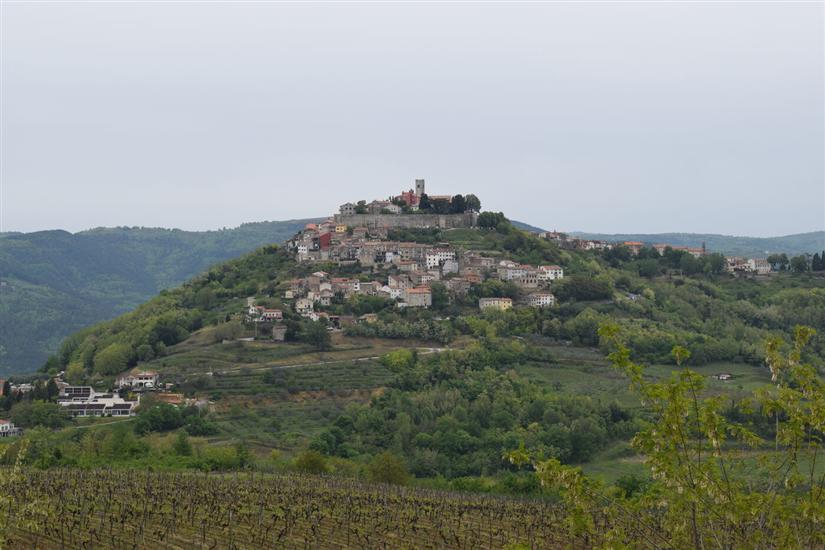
(85, 401)
(358, 233)
(565, 241)
(397, 270)
(734, 264)
(747, 266)
(407, 202)
(404, 271)
(636, 246)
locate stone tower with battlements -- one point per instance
(419, 187)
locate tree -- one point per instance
(648, 267)
(472, 203)
(316, 335)
(388, 468)
(583, 288)
(399, 360)
(818, 262)
(491, 220)
(689, 265)
(361, 207)
(158, 418)
(52, 391)
(181, 446)
(310, 462)
(799, 264)
(441, 298)
(424, 203)
(75, 373)
(617, 254)
(458, 205)
(441, 206)
(779, 262)
(29, 414)
(715, 263)
(112, 359)
(705, 489)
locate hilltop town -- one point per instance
(386, 246)
(363, 236)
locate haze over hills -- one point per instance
(52, 283)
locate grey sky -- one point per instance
(633, 117)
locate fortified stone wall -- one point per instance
(443, 221)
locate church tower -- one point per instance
(419, 187)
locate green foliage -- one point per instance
(182, 447)
(29, 414)
(583, 288)
(60, 283)
(110, 348)
(492, 220)
(316, 335)
(472, 203)
(310, 462)
(450, 415)
(399, 360)
(395, 327)
(799, 264)
(113, 359)
(158, 418)
(388, 468)
(705, 489)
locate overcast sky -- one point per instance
(619, 117)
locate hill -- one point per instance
(53, 283)
(749, 247)
(443, 397)
(283, 395)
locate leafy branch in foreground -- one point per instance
(715, 483)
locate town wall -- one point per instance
(443, 221)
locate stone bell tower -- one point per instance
(419, 187)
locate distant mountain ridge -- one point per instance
(800, 243)
(53, 283)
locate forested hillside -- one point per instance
(53, 283)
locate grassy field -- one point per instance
(585, 371)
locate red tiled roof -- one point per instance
(419, 290)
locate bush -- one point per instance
(310, 462)
(28, 414)
(388, 468)
(158, 418)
